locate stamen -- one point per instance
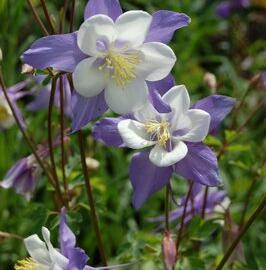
(160, 130)
(123, 66)
(28, 264)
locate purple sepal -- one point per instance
(218, 107)
(199, 165)
(106, 132)
(158, 103)
(146, 178)
(224, 9)
(57, 51)
(163, 85)
(164, 24)
(110, 8)
(77, 257)
(86, 109)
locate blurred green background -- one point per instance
(234, 50)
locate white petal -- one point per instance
(146, 113)
(158, 61)
(178, 99)
(133, 26)
(88, 80)
(200, 123)
(128, 99)
(162, 158)
(96, 28)
(56, 257)
(37, 249)
(134, 134)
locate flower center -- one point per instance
(3, 113)
(29, 264)
(160, 130)
(123, 66)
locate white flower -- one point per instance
(120, 60)
(6, 116)
(43, 256)
(166, 132)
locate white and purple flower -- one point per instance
(112, 57)
(172, 132)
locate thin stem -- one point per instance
(10, 235)
(26, 137)
(37, 18)
(179, 236)
(47, 16)
(50, 137)
(230, 250)
(94, 217)
(204, 202)
(62, 134)
(63, 16)
(72, 16)
(167, 193)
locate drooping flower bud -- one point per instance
(169, 251)
(210, 80)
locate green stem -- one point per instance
(72, 16)
(205, 202)
(167, 192)
(50, 138)
(244, 229)
(94, 217)
(47, 16)
(37, 18)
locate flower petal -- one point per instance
(106, 131)
(56, 257)
(110, 8)
(37, 249)
(86, 109)
(133, 26)
(88, 80)
(58, 51)
(134, 134)
(177, 97)
(128, 99)
(218, 107)
(199, 165)
(158, 60)
(160, 157)
(146, 178)
(96, 28)
(163, 85)
(164, 24)
(199, 125)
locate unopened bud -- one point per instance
(92, 163)
(27, 69)
(1, 55)
(210, 80)
(169, 251)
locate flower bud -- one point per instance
(210, 80)
(1, 55)
(169, 251)
(27, 69)
(92, 163)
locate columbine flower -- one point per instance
(6, 116)
(41, 95)
(112, 51)
(195, 204)
(43, 256)
(172, 132)
(225, 8)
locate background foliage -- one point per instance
(232, 49)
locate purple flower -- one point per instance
(195, 204)
(44, 256)
(173, 140)
(23, 176)
(225, 8)
(110, 56)
(6, 116)
(41, 95)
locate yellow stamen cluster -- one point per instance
(27, 264)
(123, 66)
(160, 130)
(3, 113)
